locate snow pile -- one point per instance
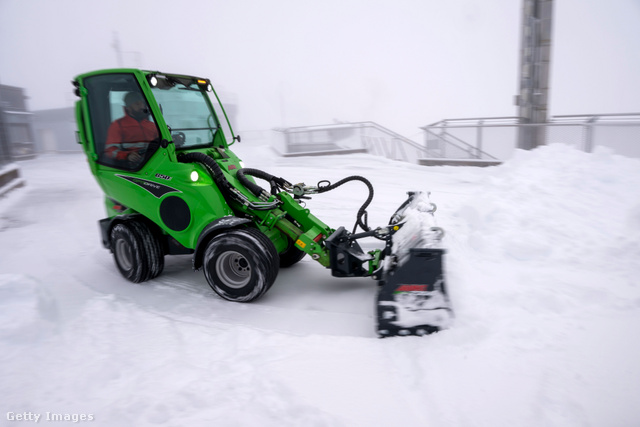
(564, 204)
(543, 261)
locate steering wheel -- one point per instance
(179, 138)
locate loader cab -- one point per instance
(143, 111)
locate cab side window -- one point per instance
(124, 132)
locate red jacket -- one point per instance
(126, 135)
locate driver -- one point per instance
(130, 135)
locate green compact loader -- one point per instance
(173, 186)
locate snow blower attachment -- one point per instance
(413, 299)
(173, 186)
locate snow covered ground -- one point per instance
(543, 267)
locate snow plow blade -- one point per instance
(412, 299)
(412, 295)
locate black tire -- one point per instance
(127, 248)
(136, 250)
(240, 264)
(291, 255)
(152, 248)
(271, 251)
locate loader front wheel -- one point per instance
(239, 266)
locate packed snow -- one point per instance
(542, 264)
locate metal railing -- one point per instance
(343, 138)
(481, 141)
(621, 132)
(497, 137)
(444, 139)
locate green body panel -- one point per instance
(202, 196)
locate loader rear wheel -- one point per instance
(127, 245)
(154, 254)
(137, 251)
(240, 265)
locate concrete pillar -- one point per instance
(535, 59)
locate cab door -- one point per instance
(121, 121)
(124, 138)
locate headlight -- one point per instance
(194, 176)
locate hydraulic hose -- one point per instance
(274, 181)
(361, 218)
(227, 190)
(251, 186)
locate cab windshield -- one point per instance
(187, 114)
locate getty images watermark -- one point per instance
(48, 416)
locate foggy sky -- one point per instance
(403, 64)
